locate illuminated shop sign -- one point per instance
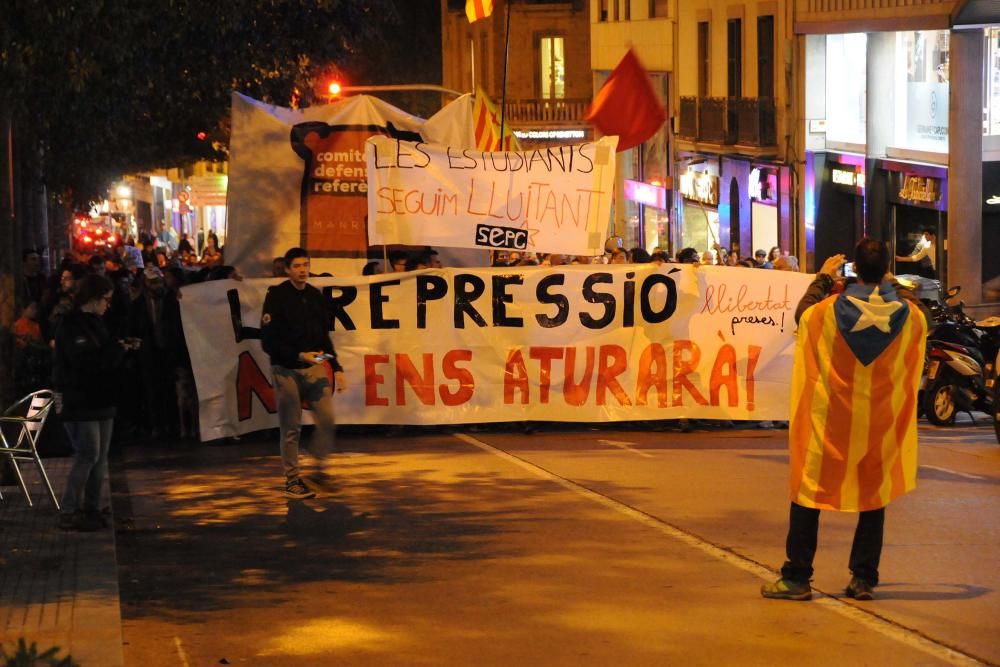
(762, 185)
(852, 179)
(920, 188)
(646, 194)
(550, 134)
(700, 186)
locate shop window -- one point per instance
(921, 87)
(552, 59)
(764, 226)
(701, 228)
(602, 12)
(846, 88)
(655, 152)
(658, 8)
(629, 166)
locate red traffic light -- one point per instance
(201, 136)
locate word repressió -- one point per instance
(654, 300)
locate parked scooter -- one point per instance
(962, 357)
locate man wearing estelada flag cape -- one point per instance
(853, 432)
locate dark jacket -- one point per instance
(163, 338)
(85, 367)
(295, 321)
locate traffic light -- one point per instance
(334, 88)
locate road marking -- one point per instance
(626, 446)
(955, 472)
(869, 619)
(180, 652)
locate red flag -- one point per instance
(627, 105)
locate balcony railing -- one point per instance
(712, 119)
(689, 118)
(742, 120)
(546, 111)
(756, 121)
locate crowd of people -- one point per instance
(157, 389)
(775, 259)
(111, 329)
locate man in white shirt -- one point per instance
(924, 256)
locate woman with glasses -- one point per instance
(84, 376)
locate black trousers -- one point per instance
(800, 547)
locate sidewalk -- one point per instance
(57, 588)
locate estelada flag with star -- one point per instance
(853, 431)
(486, 126)
(478, 9)
(626, 105)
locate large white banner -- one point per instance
(572, 343)
(545, 200)
(298, 177)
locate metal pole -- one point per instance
(434, 88)
(506, 52)
(10, 164)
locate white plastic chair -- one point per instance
(28, 415)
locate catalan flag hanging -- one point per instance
(486, 126)
(853, 430)
(478, 9)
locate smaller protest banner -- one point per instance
(546, 200)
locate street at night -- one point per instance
(566, 546)
(499, 333)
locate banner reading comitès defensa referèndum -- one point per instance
(586, 343)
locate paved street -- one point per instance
(575, 546)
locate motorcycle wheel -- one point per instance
(939, 404)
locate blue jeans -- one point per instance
(91, 441)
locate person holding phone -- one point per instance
(853, 431)
(294, 331)
(86, 359)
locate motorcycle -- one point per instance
(961, 366)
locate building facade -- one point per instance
(644, 175)
(734, 159)
(191, 200)
(548, 78)
(900, 131)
